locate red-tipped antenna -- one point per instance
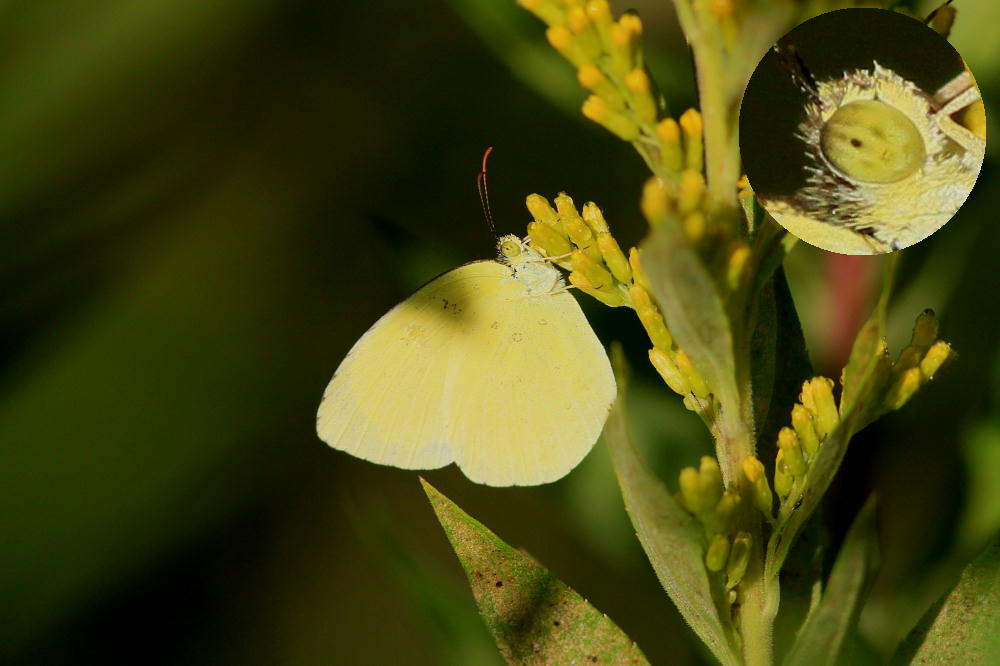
(484, 193)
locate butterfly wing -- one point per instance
(532, 399)
(388, 400)
(473, 368)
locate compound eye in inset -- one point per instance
(872, 142)
(852, 134)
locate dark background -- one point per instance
(203, 205)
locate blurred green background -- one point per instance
(203, 205)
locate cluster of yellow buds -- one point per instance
(683, 201)
(814, 417)
(727, 549)
(918, 362)
(608, 58)
(581, 243)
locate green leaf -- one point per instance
(867, 368)
(696, 317)
(671, 538)
(533, 616)
(827, 628)
(778, 365)
(964, 627)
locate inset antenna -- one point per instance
(484, 193)
(793, 63)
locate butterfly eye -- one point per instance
(510, 247)
(873, 142)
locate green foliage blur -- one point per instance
(204, 204)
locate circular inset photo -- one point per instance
(862, 131)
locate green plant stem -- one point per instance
(755, 616)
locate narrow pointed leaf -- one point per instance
(963, 628)
(823, 637)
(696, 316)
(670, 537)
(534, 617)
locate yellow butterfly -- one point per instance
(492, 366)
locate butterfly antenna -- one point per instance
(933, 14)
(484, 193)
(793, 63)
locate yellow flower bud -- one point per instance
(718, 553)
(655, 200)
(737, 265)
(650, 317)
(586, 36)
(637, 82)
(597, 109)
(909, 357)
(667, 369)
(782, 476)
(690, 483)
(903, 388)
(607, 294)
(711, 479)
(638, 275)
(562, 40)
(826, 416)
(578, 231)
(753, 469)
(548, 239)
(596, 275)
(739, 557)
(614, 257)
(788, 443)
(802, 422)
(669, 134)
(695, 225)
(542, 211)
(720, 519)
(936, 356)
(594, 218)
(690, 191)
(692, 126)
(698, 385)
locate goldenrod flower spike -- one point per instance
(671, 153)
